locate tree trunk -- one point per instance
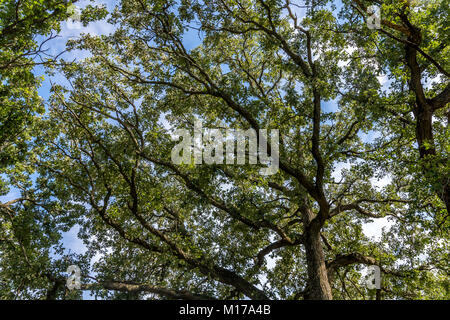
(423, 113)
(318, 285)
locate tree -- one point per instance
(414, 56)
(21, 23)
(26, 234)
(205, 231)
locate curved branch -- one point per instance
(138, 288)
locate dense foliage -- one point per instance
(100, 156)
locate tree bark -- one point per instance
(318, 287)
(423, 113)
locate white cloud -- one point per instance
(163, 122)
(374, 229)
(380, 183)
(349, 50)
(383, 79)
(337, 173)
(70, 30)
(73, 242)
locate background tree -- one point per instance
(25, 29)
(415, 59)
(29, 234)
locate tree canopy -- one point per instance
(353, 105)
